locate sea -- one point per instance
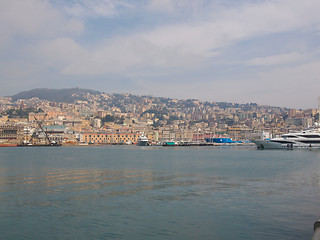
(132, 192)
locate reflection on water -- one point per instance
(83, 184)
(94, 183)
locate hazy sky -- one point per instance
(267, 52)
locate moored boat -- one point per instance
(170, 144)
(142, 141)
(305, 139)
(8, 144)
(40, 145)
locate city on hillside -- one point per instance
(82, 117)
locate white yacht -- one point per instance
(305, 139)
(142, 141)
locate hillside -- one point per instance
(68, 95)
(125, 101)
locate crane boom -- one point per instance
(40, 126)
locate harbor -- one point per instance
(131, 192)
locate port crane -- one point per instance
(35, 134)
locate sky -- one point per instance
(248, 51)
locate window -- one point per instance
(310, 136)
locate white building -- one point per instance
(97, 123)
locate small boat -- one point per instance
(83, 144)
(170, 144)
(219, 140)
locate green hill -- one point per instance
(67, 95)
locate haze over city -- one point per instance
(266, 52)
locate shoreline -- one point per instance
(117, 144)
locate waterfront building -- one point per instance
(110, 138)
(10, 132)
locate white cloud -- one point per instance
(245, 22)
(60, 51)
(179, 44)
(296, 87)
(161, 5)
(17, 70)
(34, 18)
(97, 8)
(124, 54)
(277, 59)
(191, 9)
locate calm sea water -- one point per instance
(136, 192)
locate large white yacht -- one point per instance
(305, 139)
